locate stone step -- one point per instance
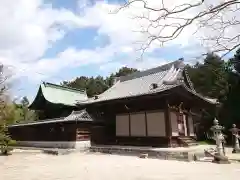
(188, 141)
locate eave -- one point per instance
(75, 116)
(164, 92)
(40, 101)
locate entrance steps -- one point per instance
(187, 141)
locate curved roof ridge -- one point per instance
(210, 100)
(63, 87)
(188, 79)
(176, 64)
(57, 94)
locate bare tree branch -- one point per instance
(213, 18)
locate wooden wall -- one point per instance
(49, 132)
(130, 116)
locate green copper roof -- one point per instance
(57, 94)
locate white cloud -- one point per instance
(122, 27)
(150, 62)
(30, 27)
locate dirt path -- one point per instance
(80, 166)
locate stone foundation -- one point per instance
(56, 144)
(151, 153)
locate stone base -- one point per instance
(145, 152)
(221, 162)
(236, 151)
(56, 151)
(144, 155)
(79, 145)
(220, 159)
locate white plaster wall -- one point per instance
(156, 124)
(122, 125)
(191, 127)
(56, 144)
(82, 144)
(174, 124)
(138, 124)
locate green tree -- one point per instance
(97, 85)
(218, 79)
(5, 138)
(235, 61)
(124, 71)
(210, 78)
(22, 113)
(230, 109)
(25, 111)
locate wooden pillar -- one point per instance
(168, 124)
(146, 124)
(187, 124)
(129, 122)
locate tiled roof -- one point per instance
(148, 82)
(57, 94)
(81, 115)
(74, 116)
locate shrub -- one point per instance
(5, 143)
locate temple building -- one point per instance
(63, 126)
(149, 108)
(154, 108)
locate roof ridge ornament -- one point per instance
(174, 78)
(83, 90)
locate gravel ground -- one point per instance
(32, 165)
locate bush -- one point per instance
(12, 143)
(5, 144)
(5, 150)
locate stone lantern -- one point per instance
(218, 136)
(235, 135)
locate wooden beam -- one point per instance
(129, 120)
(187, 123)
(146, 125)
(168, 125)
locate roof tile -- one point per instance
(139, 83)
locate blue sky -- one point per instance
(57, 40)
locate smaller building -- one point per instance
(72, 131)
(61, 124)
